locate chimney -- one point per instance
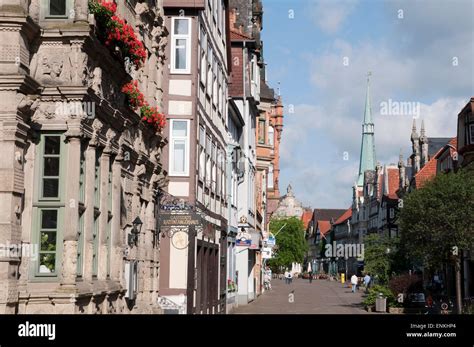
(232, 18)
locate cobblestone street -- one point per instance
(319, 297)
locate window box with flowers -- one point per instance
(116, 34)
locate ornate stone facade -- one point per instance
(78, 166)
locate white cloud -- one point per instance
(412, 64)
(329, 15)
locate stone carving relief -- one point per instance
(110, 136)
(77, 61)
(27, 104)
(51, 67)
(34, 10)
(159, 36)
(44, 111)
(97, 127)
(141, 9)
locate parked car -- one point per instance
(416, 301)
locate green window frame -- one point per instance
(80, 243)
(109, 215)
(80, 230)
(57, 9)
(95, 243)
(95, 231)
(48, 209)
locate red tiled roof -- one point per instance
(345, 216)
(236, 36)
(393, 182)
(306, 218)
(428, 171)
(324, 227)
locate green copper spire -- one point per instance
(367, 150)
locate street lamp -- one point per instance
(136, 228)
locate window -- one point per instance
(214, 167)
(392, 213)
(57, 8)
(471, 134)
(80, 229)
(214, 85)
(109, 215)
(210, 56)
(181, 45)
(48, 204)
(95, 230)
(271, 136)
(270, 177)
(202, 152)
(261, 131)
(208, 161)
(50, 174)
(203, 67)
(179, 148)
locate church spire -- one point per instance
(367, 151)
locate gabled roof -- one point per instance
(236, 36)
(306, 217)
(428, 171)
(393, 183)
(345, 216)
(451, 145)
(266, 93)
(324, 227)
(327, 214)
(435, 144)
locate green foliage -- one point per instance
(374, 292)
(377, 260)
(438, 217)
(290, 242)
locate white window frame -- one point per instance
(186, 37)
(270, 177)
(186, 149)
(271, 136)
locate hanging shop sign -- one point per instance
(174, 219)
(243, 239)
(267, 253)
(270, 241)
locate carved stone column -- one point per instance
(81, 12)
(89, 200)
(103, 218)
(116, 235)
(71, 213)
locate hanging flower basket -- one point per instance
(151, 116)
(114, 32)
(134, 96)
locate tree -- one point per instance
(437, 222)
(291, 245)
(377, 250)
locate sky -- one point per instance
(319, 51)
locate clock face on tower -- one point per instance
(179, 240)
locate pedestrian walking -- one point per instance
(367, 280)
(290, 277)
(354, 281)
(310, 277)
(287, 277)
